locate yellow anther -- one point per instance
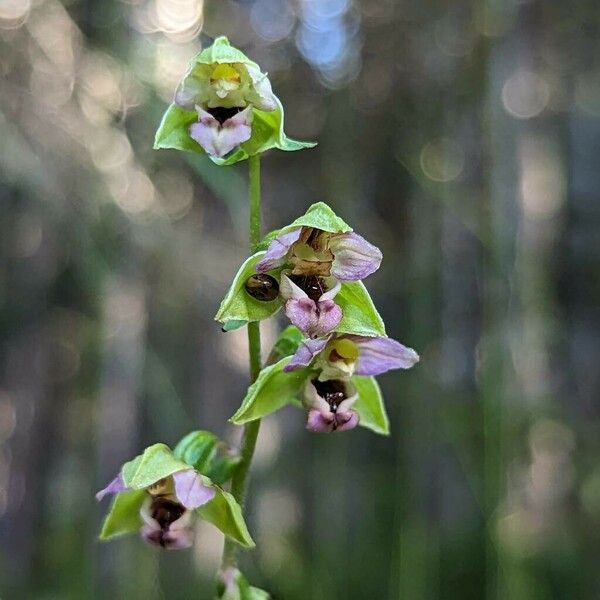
(226, 72)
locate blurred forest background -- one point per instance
(462, 138)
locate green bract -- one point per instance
(272, 390)
(158, 462)
(208, 455)
(360, 317)
(319, 215)
(266, 125)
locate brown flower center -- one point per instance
(221, 114)
(332, 391)
(165, 511)
(313, 285)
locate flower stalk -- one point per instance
(239, 482)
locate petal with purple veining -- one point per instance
(382, 354)
(220, 139)
(307, 350)
(354, 257)
(277, 251)
(190, 490)
(114, 487)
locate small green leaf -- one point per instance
(238, 305)
(173, 131)
(370, 406)
(233, 325)
(221, 51)
(267, 133)
(287, 343)
(360, 317)
(223, 468)
(272, 390)
(157, 462)
(197, 449)
(226, 515)
(124, 514)
(319, 216)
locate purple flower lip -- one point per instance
(329, 406)
(167, 523)
(220, 130)
(314, 317)
(188, 488)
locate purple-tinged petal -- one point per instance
(382, 354)
(190, 490)
(317, 422)
(178, 539)
(303, 314)
(329, 317)
(346, 421)
(263, 97)
(288, 290)
(277, 251)
(332, 292)
(307, 350)
(219, 139)
(114, 487)
(315, 319)
(354, 257)
(188, 92)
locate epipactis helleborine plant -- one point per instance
(225, 107)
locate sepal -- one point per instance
(272, 390)
(370, 406)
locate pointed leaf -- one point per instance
(173, 131)
(360, 317)
(370, 406)
(239, 305)
(124, 514)
(272, 390)
(197, 449)
(267, 133)
(319, 216)
(221, 51)
(287, 343)
(226, 515)
(157, 462)
(233, 325)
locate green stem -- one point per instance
(239, 482)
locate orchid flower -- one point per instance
(160, 495)
(315, 264)
(225, 107)
(166, 510)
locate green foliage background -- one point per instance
(462, 138)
